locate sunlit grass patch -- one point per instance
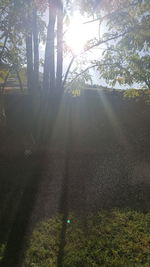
(2, 249)
(116, 238)
(73, 92)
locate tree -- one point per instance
(49, 62)
(126, 57)
(127, 60)
(21, 27)
(33, 27)
(59, 71)
(52, 81)
(11, 38)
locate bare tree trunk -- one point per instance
(29, 52)
(59, 48)
(46, 74)
(52, 48)
(36, 50)
(2, 106)
(19, 79)
(49, 62)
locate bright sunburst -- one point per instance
(77, 34)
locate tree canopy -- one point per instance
(126, 40)
(127, 59)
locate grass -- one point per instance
(116, 238)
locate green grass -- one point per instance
(116, 238)
(2, 249)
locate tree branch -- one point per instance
(89, 48)
(82, 72)
(4, 46)
(104, 41)
(89, 67)
(2, 36)
(67, 72)
(110, 14)
(5, 81)
(19, 79)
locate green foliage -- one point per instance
(73, 92)
(3, 74)
(11, 24)
(132, 93)
(2, 249)
(15, 25)
(138, 94)
(78, 77)
(127, 59)
(115, 238)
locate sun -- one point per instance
(77, 34)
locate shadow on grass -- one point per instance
(65, 204)
(20, 202)
(17, 235)
(64, 211)
(64, 197)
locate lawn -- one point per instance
(108, 238)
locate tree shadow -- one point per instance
(22, 196)
(16, 242)
(64, 211)
(65, 205)
(64, 197)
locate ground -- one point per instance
(97, 158)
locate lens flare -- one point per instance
(77, 34)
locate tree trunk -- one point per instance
(46, 74)
(52, 48)
(59, 48)
(29, 52)
(19, 79)
(49, 62)
(36, 50)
